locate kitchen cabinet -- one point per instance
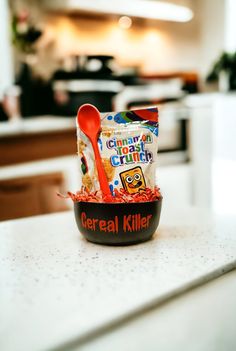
(24, 144)
(176, 184)
(31, 196)
(30, 188)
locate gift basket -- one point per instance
(119, 202)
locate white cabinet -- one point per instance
(176, 184)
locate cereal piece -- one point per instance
(107, 132)
(109, 169)
(81, 146)
(87, 181)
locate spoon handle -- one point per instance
(100, 169)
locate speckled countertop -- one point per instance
(56, 287)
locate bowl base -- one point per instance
(133, 242)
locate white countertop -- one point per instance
(56, 287)
(36, 125)
(202, 319)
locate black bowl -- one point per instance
(117, 223)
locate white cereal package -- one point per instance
(128, 148)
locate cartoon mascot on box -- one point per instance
(133, 180)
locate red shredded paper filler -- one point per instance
(120, 196)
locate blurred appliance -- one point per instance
(69, 95)
(85, 67)
(36, 95)
(168, 96)
(101, 65)
(85, 79)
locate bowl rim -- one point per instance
(117, 203)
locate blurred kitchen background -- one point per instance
(56, 55)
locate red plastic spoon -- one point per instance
(88, 118)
